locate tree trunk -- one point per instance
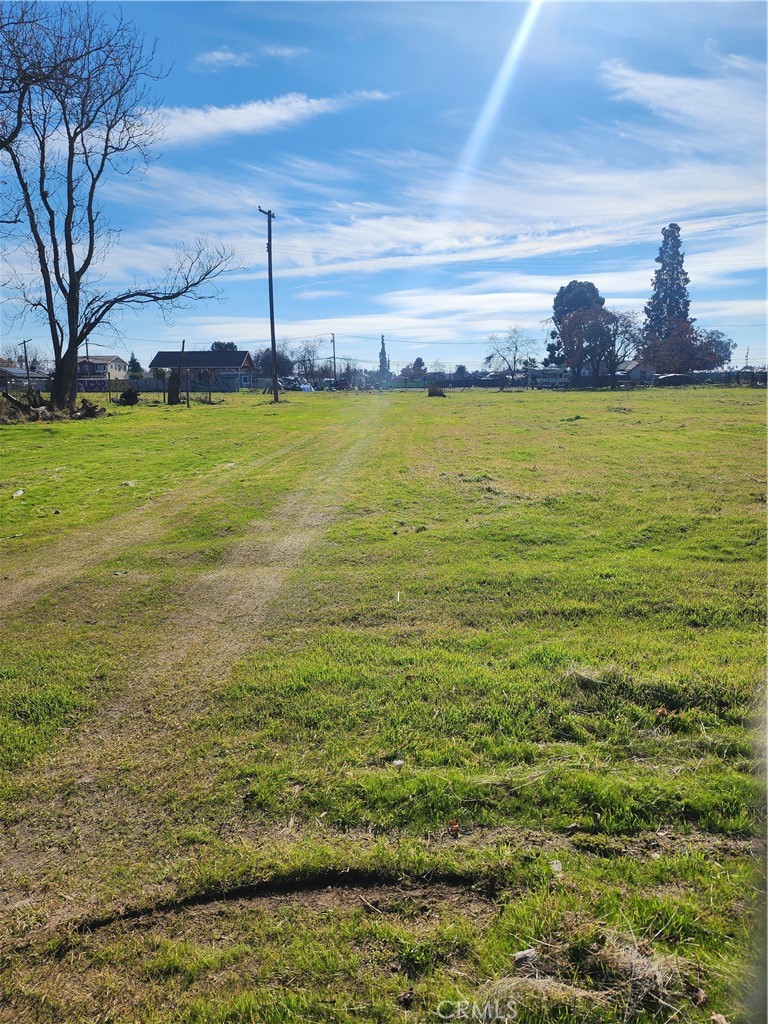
(21, 406)
(64, 383)
(174, 388)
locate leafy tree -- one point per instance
(83, 114)
(460, 371)
(675, 353)
(507, 355)
(415, 370)
(584, 335)
(134, 366)
(262, 361)
(566, 347)
(599, 339)
(223, 346)
(574, 296)
(685, 349)
(667, 312)
(555, 355)
(714, 350)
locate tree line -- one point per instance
(587, 335)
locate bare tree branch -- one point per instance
(74, 108)
(510, 353)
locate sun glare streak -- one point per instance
(479, 137)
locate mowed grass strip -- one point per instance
(549, 609)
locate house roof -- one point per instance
(633, 364)
(21, 373)
(101, 359)
(220, 360)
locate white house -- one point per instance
(638, 372)
(102, 366)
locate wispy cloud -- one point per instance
(186, 125)
(726, 108)
(287, 52)
(218, 60)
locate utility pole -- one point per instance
(25, 342)
(270, 217)
(333, 342)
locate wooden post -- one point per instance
(109, 388)
(187, 387)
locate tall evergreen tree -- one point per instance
(667, 312)
(383, 360)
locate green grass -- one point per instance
(548, 607)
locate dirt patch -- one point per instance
(401, 900)
(132, 970)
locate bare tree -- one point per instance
(28, 60)
(81, 113)
(624, 339)
(306, 357)
(509, 354)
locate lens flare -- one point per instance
(480, 135)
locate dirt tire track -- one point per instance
(79, 799)
(85, 547)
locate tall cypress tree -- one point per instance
(667, 310)
(383, 359)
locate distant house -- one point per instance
(15, 377)
(224, 369)
(102, 366)
(637, 372)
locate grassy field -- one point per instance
(376, 707)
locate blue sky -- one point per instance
(439, 170)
